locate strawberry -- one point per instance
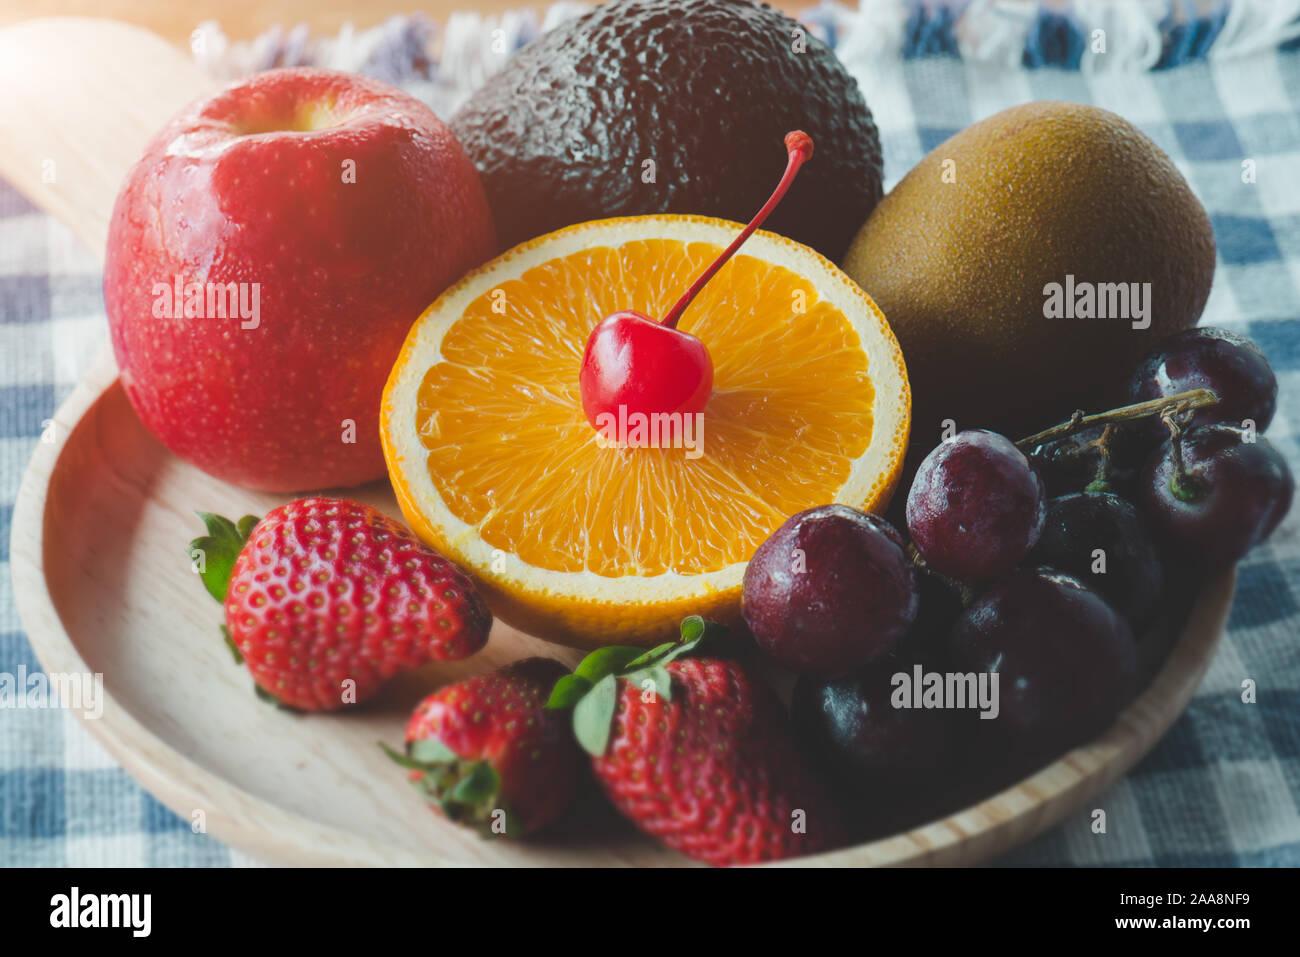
(486, 752)
(698, 753)
(326, 599)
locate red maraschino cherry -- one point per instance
(650, 367)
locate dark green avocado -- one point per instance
(705, 91)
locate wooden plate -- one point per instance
(104, 585)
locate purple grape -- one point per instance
(829, 591)
(1224, 362)
(1066, 663)
(1128, 571)
(1231, 497)
(892, 761)
(940, 606)
(976, 506)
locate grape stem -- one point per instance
(1173, 404)
(1182, 483)
(1101, 480)
(966, 592)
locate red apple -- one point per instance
(306, 218)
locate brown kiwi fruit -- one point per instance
(960, 255)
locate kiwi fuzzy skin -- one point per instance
(959, 253)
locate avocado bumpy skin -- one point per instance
(705, 90)
(959, 268)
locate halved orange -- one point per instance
(583, 543)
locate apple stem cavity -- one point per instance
(799, 145)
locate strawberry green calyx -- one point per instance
(466, 791)
(213, 555)
(592, 690)
(264, 695)
(234, 648)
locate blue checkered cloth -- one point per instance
(1222, 788)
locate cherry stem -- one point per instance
(1180, 403)
(800, 146)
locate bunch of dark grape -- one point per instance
(1205, 481)
(1042, 561)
